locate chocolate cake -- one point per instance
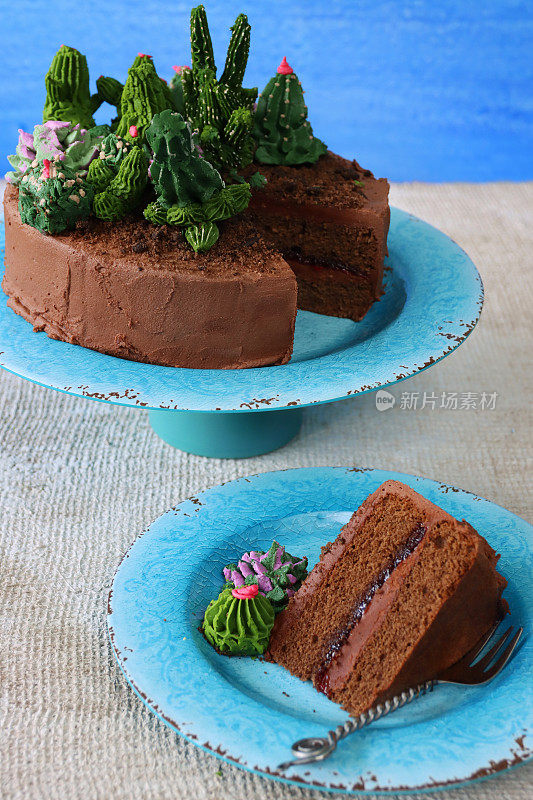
(403, 592)
(186, 231)
(330, 222)
(138, 291)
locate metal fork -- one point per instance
(466, 672)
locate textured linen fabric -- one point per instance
(80, 479)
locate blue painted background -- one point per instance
(420, 89)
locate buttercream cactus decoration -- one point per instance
(277, 574)
(110, 91)
(239, 622)
(55, 141)
(120, 184)
(180, 175)
(53, 197)
(220, 112)
(176, 89)
(68, 96)
(144, 95)
(190, 191)
(282, 130)
(103, 169)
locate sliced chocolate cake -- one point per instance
(403, 593)
(185, 231)
(330, 222)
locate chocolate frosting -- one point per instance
(137, 291)
(179, 310)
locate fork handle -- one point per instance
(316, 748)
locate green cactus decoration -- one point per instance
(176, 89)
(237, 55)
(110, 90)
(125, 184)
(201, 45)
(68, 97)
(202, 237)
(144, 96)
(100, 175)
(190, 191)
(52, 198)
(282, 130)
(155, 214)
(180, 175)
(103, 169)
(219, 111)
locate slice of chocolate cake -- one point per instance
(330, 221)
(402, 593)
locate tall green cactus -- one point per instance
(201, 44)
(220, 112)
(144, 96)
(68, 96)
(237, 56)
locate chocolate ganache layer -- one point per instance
(345, 646)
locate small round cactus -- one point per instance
(52, 198)
(202, 237)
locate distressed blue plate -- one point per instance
(249, 712)
(432, 301)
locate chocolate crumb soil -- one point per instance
(135, 241)
(330, 181)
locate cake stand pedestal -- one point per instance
(432, 300)
(226, 434)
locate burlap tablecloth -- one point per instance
(80, 479)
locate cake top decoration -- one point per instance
(277, 574)
(54, 140)
(246, 592)
(190, 191)
(220, 111)
(282, 130)
(52, 198)
(284, 68)
(239, 626)
(173, 150)
(144, 95)
(68, 96)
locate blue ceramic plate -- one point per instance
(433, 298)
(249, 712)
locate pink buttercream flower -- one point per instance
(246, 592)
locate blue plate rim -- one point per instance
(319, 380)
(486, 772)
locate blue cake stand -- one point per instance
(432, 301)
